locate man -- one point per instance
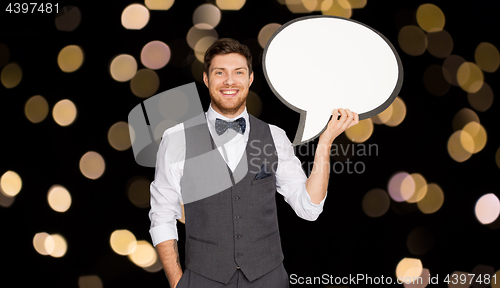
(232, 237)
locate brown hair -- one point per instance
(225, 46)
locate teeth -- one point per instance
(229, 92)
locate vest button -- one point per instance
(239, 255)
(239, 235)
(236, 217)
(236, 197)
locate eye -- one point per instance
(239, 72)
(218, 73)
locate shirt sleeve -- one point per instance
(291, 179)
(165, 190)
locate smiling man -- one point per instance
(232, 237)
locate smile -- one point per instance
(229, 92)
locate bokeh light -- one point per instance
(195, 34)
(375, 203)
(92, 165)
(433, 200)
(89, 281)
(59, 198)
(123, 242)
(421, 282)
(482, 99)
(60, 246)
(123, 67)
(145, 83)
(156, 266)
(478, 134)
(43, 243)
(159, 4)
(135, 17)
(434, 80)
(10, 183)
(497, 157)
(197, 71)
(487, 57)
(497, 282)
(456, 144)
(11, 75)
(360, 132)
(119, 136)
(430, 18)
(230, 4)
(254, 104)
(70, 58)
(463, 280)
(138, 191)
(487, 208)
(297, 6)
(266, 32)
(68, 18)
(64, 112)
(36, 109)
(469, 77)
(383, 116)
(409, 267)
(155, 55)
(450, 68)
(357, 4)
(401, 186)
(412, 40)
(420, 188)
(440, 44)
(202, 46)
(420, 241)
(340, 8)
(144, 255)
(206, 16)
(398, 112)
(463, 117)
(6, 201)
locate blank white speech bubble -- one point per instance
(315, 64)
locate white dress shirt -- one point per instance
(166, 198)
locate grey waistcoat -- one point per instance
(238, 227)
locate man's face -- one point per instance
(228, 83)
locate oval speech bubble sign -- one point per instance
(315, 64)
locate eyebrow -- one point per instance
(220, 68)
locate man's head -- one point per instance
(228, 75)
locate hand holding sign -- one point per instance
(315, 64)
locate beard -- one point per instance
(229, 107)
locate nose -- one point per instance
(229, 80)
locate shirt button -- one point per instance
(239, 255)
(236, 217)
(239, 235)
(236, 197)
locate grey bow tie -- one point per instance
(238, 125)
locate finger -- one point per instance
(343, 116)
(355, 119)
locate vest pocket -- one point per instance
(265, 236)
(202, 240)
(263, 180)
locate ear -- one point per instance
(251, 79)
(205, 79)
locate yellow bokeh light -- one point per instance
(254, 104)
(360, 132)
(420, 188)
(195, 34)
(145, 83)
(60, 246)
(159, 4)
(230, 4)
(398, 112)
(266, 32)
(440, 44)
(401, 186)
(64, 112)
(482, 99)
(10, 183)
(311, 5)
(383, 116)
(138, 191)
(92, 165)
(155, 267)
(36, 109)
(487, 57)
(375, 203)
(11, 75)
(89, 281)
(340, 8)
(201, 47)
(357, 4)
(456, 144)
(409, 267)
(487, 208)
(450, 68)
(144, 255)
(135, 17)
(123, 242)
(155, 55)
(497, 282)
(469, 77)
(412, 40)
(207, 14)
(59, 198)
(297, 6)
(43, 243)
(123, 67)
(119, 136)
(433, 200)
(70, 58)
(463, 117)
(430, 18)
(478, 134)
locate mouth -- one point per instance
(229, 92)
